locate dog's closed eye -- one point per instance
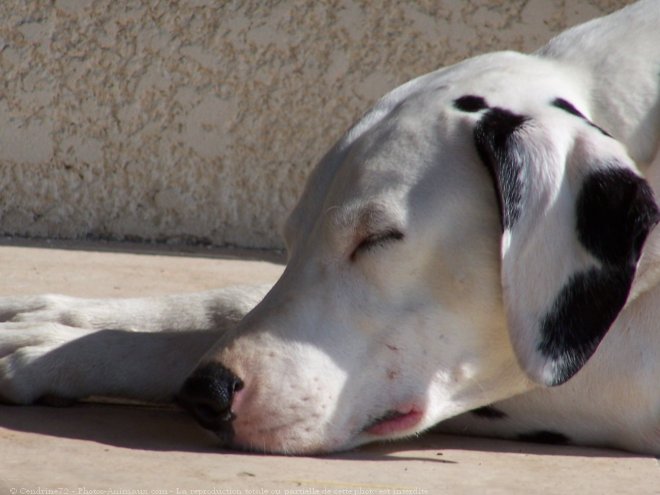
(375, 240)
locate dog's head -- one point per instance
(471, 237)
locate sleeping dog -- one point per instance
(478, 251)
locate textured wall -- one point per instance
(199, 120)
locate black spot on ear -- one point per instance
(470, 103)
(580, 317)
(544, 436)
(492, 136)
(567, 106)
(489, 412)
(616, 210)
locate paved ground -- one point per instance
(129, 450)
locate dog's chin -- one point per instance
(285, 441)
(291, 447)
(396, 423)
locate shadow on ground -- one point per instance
(167, 428)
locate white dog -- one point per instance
(484, 234)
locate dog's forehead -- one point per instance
(419, 126)
(389, 153)
(422, 116)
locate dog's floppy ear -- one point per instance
(575, 215)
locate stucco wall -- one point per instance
(199, 120)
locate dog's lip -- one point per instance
(395, 421)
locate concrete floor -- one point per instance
(121, 449)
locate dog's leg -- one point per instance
(194, 311)
(53, 346)
(51, 360)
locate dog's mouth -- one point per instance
(394, 421)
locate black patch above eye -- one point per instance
(567, 106)
(377, 239)
(470, 103)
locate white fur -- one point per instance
(423, 322)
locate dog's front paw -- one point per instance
(29, 368)
(44, 308)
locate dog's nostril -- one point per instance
(212, 413)
(208, 395)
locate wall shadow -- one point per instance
(151, 248)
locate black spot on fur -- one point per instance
(470, 103)
(492, 136)
(580, 316)
(570, 108)
(615, 212)
(544, 436)
(489, 412)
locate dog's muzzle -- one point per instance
(208, 394)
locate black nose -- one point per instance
(208, 394)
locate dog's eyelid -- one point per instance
(377, 239)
